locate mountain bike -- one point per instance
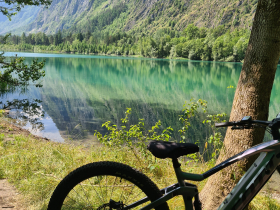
(111, 185)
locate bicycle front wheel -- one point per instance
(104, 186)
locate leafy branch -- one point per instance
(13, 6)
(132, 136)
(190, 110)
(15, 73)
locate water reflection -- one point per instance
(88, 92)
(80, 93)
(25, 111)
(145, 80)
(28, 112)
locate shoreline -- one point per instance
(114, 55)
(16, 129)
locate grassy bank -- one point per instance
(35, 166)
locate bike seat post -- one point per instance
(178, 171)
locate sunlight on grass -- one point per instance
(35, 167)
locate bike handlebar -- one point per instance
(248, 123)
(243, 123)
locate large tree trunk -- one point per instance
(251, 98)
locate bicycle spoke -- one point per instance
(106, 186)
(113, 187)
(71, 199)
(75, 201)
(78, 194)
(85, 194)
(132, 200)
(100, 188)
(129, 193)
(96, 192)
(70, 207)
(122, 190)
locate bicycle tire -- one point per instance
(76, 185)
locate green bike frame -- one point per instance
(241, 195)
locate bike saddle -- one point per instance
(163, 149)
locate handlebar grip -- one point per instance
(225, 124)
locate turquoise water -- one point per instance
(81, 92)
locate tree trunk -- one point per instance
(251, 98)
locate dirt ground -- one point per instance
(10, 198)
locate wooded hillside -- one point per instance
(138, 16)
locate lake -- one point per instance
(81, 92)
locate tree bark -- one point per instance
(251, 98)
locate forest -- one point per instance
(194, 43)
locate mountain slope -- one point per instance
(141, 16)
(26, 16)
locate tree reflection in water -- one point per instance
(25, 111)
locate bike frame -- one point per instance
(244, 191)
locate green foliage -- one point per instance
(136, 138)
(104, 18)
(214, 143)
(16, 73)
(13, 71)
(223, 46)
(190, 109)
(240, 48)
(11, 7)
(133, 136)
(195, 44)
(192, 32)
(2, 112)
(135, 17)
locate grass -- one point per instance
(264, 202)
(35, 167)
